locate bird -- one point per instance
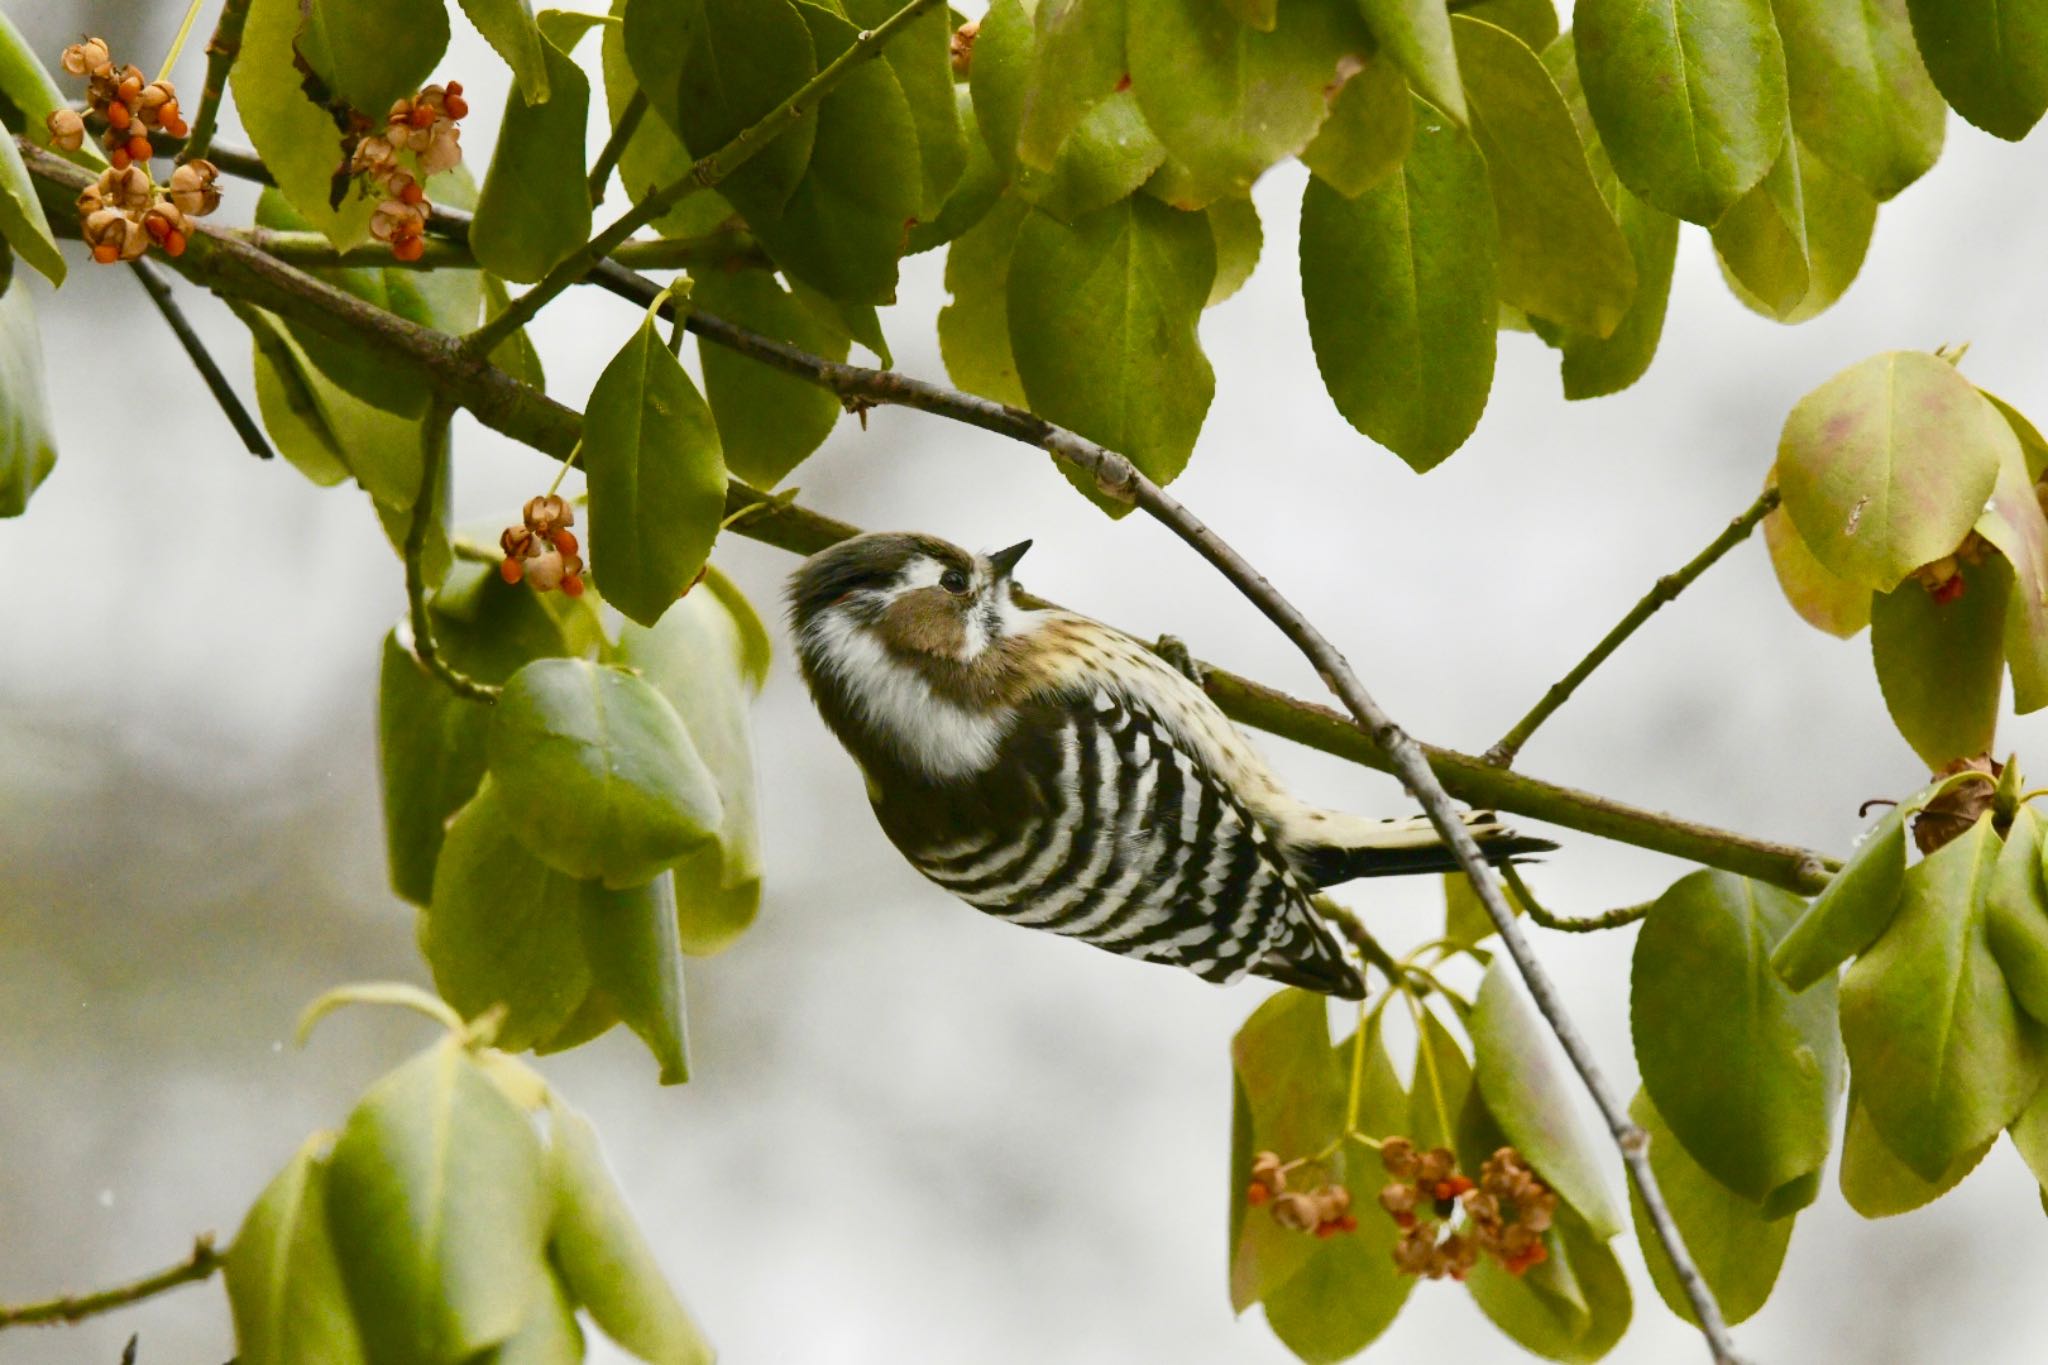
(1059, 774)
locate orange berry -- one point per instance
(156, 227)
(412, 193)
(1257, 1194)
(118, 115)
(176, 126)
(138, 148)
(572, 584)
(174, 243)
(565, 541)
(119, 157)
(1325, 1230)
(409, 248)
(1948, 591)
(1404, 1220)
(106, 253)
(453, 87)
(511, 570)
(130, 88)
(456, 106)
(421, 116)
(1348, 1223)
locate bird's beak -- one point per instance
(1006, 560)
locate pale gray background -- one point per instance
(915, 1135)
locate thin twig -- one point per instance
(615, 145)
(1353, 929)
(234, 269)
(221, 51)
(313, 251)
(425, 511)
(1586, 924)
(705, 173)
(1662, 591)
(159, 290)
(199, 1265)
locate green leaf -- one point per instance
(1102, 324)
(636, 960)
(1416, 36)
(1110, 154)
(1745, 1072)
(1574, 1307)
(1940, 664)
(848, 321)
(1861, 100)
(922, 58)
(503, 928)
(1690, 98)
(1229, 101)
(1988, 57)
(1439, 1086)
(2013, 522)
(974, 329)
(1533, 21)
(290, 404)
(709, 657)
(22, 224)
(603, 1256)
(437, 1207)
(1234, 224)
(507, 25)
(535, 205)
(844, 224)
(655, 156)
(283, 1282)
(1562, 254)
(768, 422)
(597, 774)
(2016, 915)
(550, 1335)
(2029, 1134)
(714, 68)
(974, 193)
(1825, 602)
(1294, 1095)
(295, 137)
(27, 450)
(1401, 291)
(2032, 444)
(1795, 243)
(1940, 1058)
(1529, 1097)
(374, 52)
(1852, 909)
(1077, 61)
(1005, 52)
(1738, 1250)
(1367, 133)
(515, 355)
(656, 477)
(1349, 1292)
(1877, 1184)
(1466, 922)
(1888, 465)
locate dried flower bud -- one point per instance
(1334, 1201)
(963, 48)
(1415, 1251)
(1434, 1165)
(1399, 1198)
(1296, 1211)
(153, 97)
(438, 148)
(544, 571)
(1951, 814)
(1266, 1169)
(517, 542)
(195, 188)
(548, 511)
(373, 155)
(1397, 1154)
(67, 130)
(129, 189)
(86, 58)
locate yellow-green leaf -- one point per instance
(1877, 1184)
(1940, 663)
(1988, 57)
(534, 208)
(284, 1284)
(1825, 602)
(1293, 1092)
(1861, 100)
(1852, 909)
(22, 224)
(1416, 36)
(373, 52)
(1367, 133)
(27, 449)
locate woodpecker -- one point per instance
(1055, 773)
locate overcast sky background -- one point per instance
(916, 1135)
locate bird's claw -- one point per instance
(1174, 650)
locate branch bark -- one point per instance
(199, 1265)
(221, 51)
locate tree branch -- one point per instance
(199, 1265)
(1662, 591)
(313, 251)
(221, 51)
(230, 266)
(159, 291)
(615, 145)
(707, 171)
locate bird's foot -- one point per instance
(1174, 650)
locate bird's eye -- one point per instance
(954, 581)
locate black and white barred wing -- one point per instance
(1134, 846)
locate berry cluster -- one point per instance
(421, 129)
(119, 95)
(1324, 1209)
(1506, 1212)
(124, 212)
(543, 552)
(1943, 578)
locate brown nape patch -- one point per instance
(928, 621)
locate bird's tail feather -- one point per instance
(1397, 848)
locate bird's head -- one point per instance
(918, 598)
